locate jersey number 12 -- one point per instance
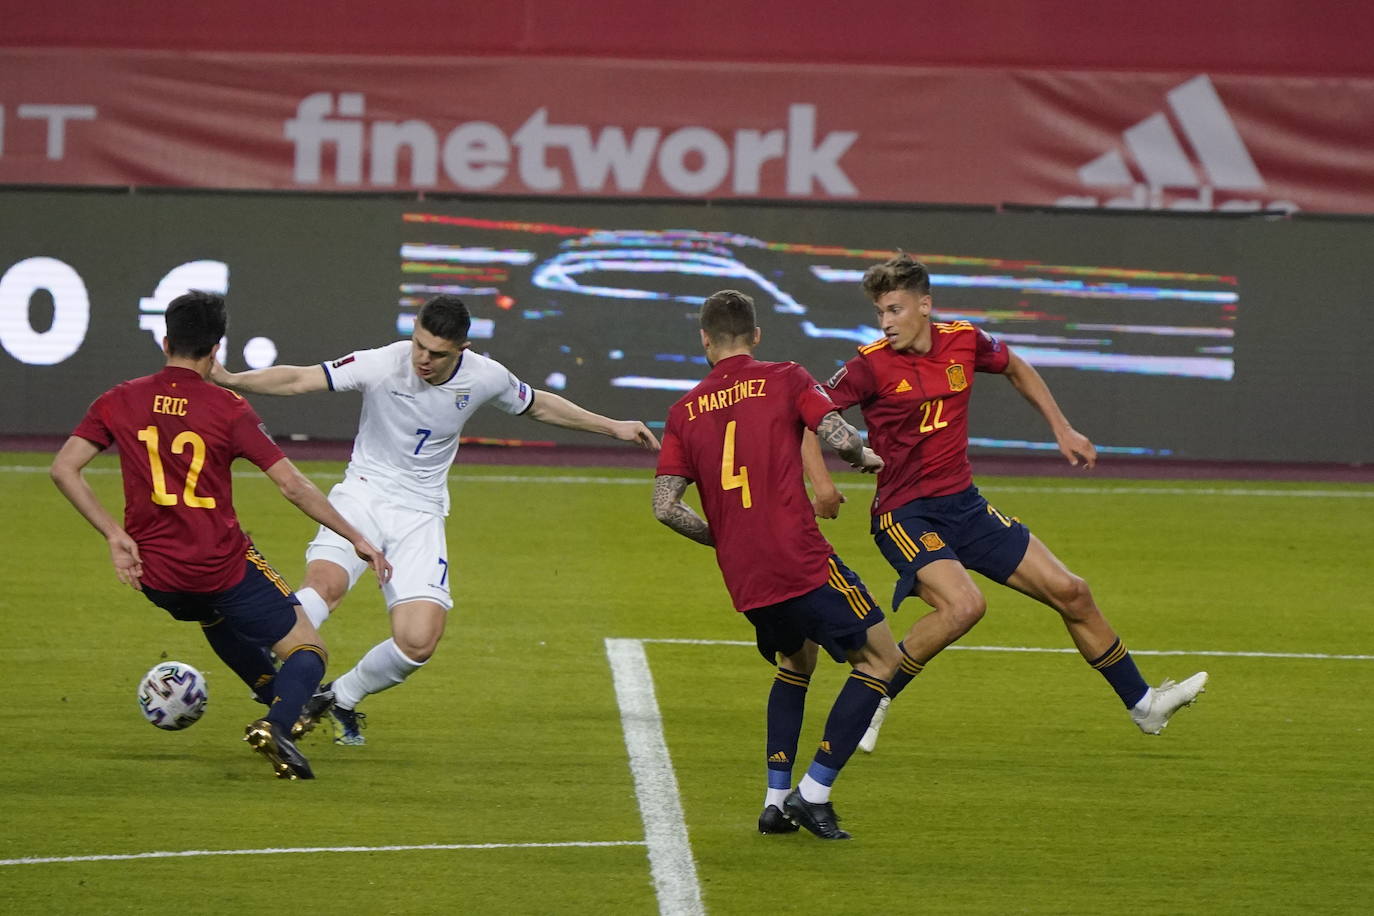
(148, 436)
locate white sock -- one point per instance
(812, 791)
(1143, 704)
(313, 605)
(775, 797)
(383, 667)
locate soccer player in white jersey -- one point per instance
(417, 395)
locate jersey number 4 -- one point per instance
(148, 436)
(729, 478)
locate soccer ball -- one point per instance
(172, 695)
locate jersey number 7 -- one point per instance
(729, 479)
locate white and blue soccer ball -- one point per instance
(172, 695)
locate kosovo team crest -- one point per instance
(957, 380)
(461, 397)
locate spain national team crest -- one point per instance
(931, 541)
(958, 381)
(461, 397)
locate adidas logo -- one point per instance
(825, 746)
(778, 757)
(1164, 173)
(903, 385)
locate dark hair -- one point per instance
(899, 272)
(728, 315)
(195, 323)
(446, 317)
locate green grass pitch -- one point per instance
(1004, 782)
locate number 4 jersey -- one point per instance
(177, 435)
(737, 435)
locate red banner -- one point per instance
(680, 129)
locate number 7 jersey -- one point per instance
(737, 435)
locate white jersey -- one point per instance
(408, 433)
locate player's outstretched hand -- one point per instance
(637, 432)
(127, 563)
(376, 559)
(869, 462)
(218, 374)
(1076, 446)
(826, 503)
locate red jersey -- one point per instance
(916, 409)
(177, 436)
(738, 436)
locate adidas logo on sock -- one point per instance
(1164, 173)
(779, 757)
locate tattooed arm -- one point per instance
(845, 439)
(677, 515)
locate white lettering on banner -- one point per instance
(477, 155)
(57, 117)
(1164, 164)
(71, 311)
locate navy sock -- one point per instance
(299, 675)
(786, 704)
(1119, 669)
(253, 664)
(849, 717)
(906, 671)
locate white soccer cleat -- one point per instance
(1167, 699)
(870, 739)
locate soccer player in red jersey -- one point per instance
(929, 519)
(738, 436)
(181, 544)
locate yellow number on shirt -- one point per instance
(148, 436)
(729, 480)
(937, 407)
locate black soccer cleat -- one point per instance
(313, 711)
(820, 819)
(772, 820)
(287, 762)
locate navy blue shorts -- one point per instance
(836, 616)
(961, 526)
(260, 609)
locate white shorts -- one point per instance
(412, 540)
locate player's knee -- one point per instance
(418, 648)
(1071, 596)
(964, 609)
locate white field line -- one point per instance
(271, 851)
(660, 805)
(1210, 653)
(645, 481)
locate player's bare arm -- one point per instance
(825, 496)
(559, 411)
(677, 515)
(845, 439)
(66, 470)
(1074, 445)
(278, 380)
(303, 493)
